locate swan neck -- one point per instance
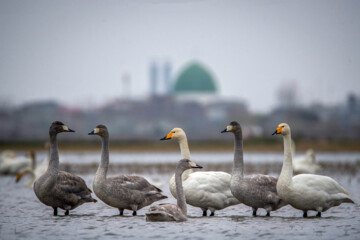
(287, 168)
(54, 155)
(104, 163)
(238, 166)
(184, 148)
(181, 201)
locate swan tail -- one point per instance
(348, 200)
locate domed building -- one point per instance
(195, 79)
(194, 82)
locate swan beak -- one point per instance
(66, 129)
(167, 137)
(227, 129)
(95, 131)
(18, 177)
(277, 131)
(197, 166)
(194, 165)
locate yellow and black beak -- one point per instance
(167, 137)
(66, 129)
(94, 132)
(227, 129)
(277, 131)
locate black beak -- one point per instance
(197, 166)
(70, 130)
(224, 131)
(164, 138)
(91, 133)
(275, 133)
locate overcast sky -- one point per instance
(77, 51)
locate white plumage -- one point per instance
(307, 191)
(206, 190)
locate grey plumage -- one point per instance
(170, 212)
(122, 192)
(256, 191)
(60, 189)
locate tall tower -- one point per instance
(167, 78)
(153, 78)
(126, 85)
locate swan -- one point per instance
(206, 190)
(306, 191)
(60, 189)
(122, 192)
(306, 163)
(167, 212)
(10, 164)
(35, 171)
(256, 191)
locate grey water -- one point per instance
(23, 216)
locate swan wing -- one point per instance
(133, 183)
(312, 182)
(70, 183)
(211, 189)
(165, 212)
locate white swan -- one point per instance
(206, 190)
(124, 191)
(256, 191)
(306, 163)
(10, 164)
(171, 212)
(35, 171)
(306, 191)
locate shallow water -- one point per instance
(23, 216)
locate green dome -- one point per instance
(195, 79)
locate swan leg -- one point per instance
(134, 213)
(318, 214)
(254, 211)
(67, 212)
(212, 214)
(305, 214)
(121, 212)
(204, 213)
(55, 211)
(268, 214)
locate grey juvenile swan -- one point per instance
(59, 189)
(256, 191)
(167, 212)
(122, 192)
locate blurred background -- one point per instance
(145, 67)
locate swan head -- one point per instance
(185, 164)
(176, 134)
(233, 127)
(283, 129)
(58, 127)
(100, 130)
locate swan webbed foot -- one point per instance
(212, 214)
(67, 212)
(121, 212)
(318, 214)
(305, 214)
(204, 213)
(55, 211)
(134, 213)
